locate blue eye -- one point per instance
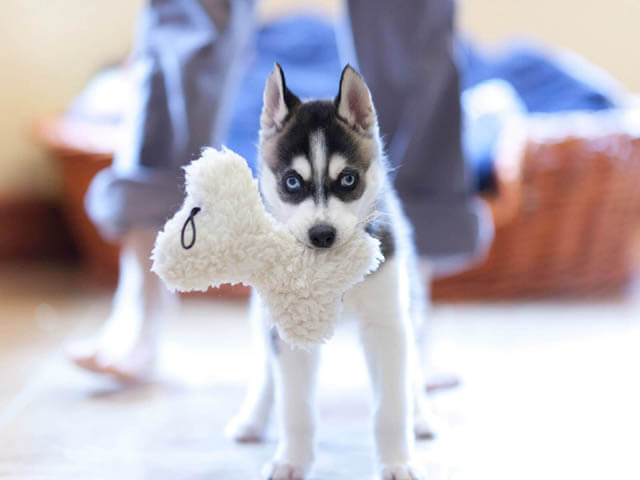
(293, 183)
(348, 180)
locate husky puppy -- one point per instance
(323, 174)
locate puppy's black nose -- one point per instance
(322, 236)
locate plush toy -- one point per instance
(223, 234)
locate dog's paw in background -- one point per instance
(283, 471)
(426, 424)
(246, 429)
(400, 472)
(424, 429)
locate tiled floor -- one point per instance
(549, 391)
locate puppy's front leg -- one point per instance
(386, 334)
(295, 378)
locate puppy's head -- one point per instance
(321, 164)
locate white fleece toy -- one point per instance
(223, 234)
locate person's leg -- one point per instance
(405, 53)
(182, 71)
(126, 344)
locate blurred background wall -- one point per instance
(604, 32)
(50, 48)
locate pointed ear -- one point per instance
(354, 102)
(278, 101)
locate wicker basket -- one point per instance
(573, 189)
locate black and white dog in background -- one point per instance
(323, 173)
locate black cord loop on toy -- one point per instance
(193, 213)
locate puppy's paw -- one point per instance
(245, 430)
(283, 471)
(424, 428)
(400, 472)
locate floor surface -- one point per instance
(548, 390)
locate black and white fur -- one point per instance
(323, 174)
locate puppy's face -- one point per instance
(320, 169)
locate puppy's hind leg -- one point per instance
(425, 422)
(250, 424)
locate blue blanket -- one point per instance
(306, 48)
